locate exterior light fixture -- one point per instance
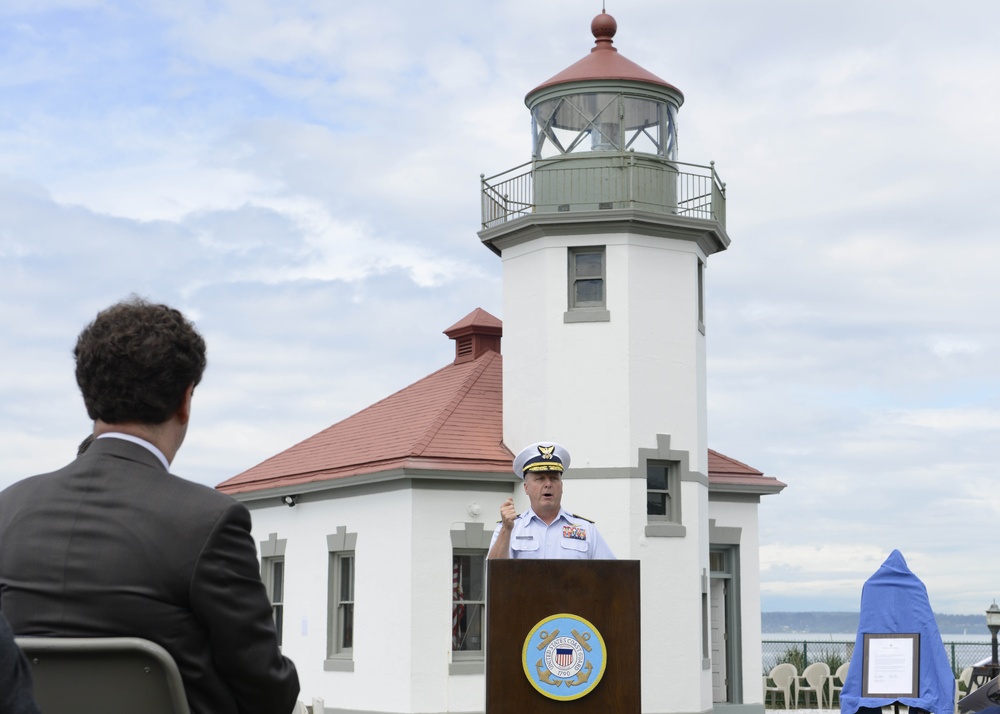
(291, 501)
(993, 622)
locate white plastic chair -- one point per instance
(103, 675)
(782, 675)
(813, 679)
(965, 678)
(833, 687)
(963, 686)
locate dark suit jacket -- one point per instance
(16, 695)
(113, 545)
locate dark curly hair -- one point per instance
(135, 361)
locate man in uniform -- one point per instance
(546, 529)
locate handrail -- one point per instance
(698, 193)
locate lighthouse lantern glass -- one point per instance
(604, 121)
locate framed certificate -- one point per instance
(891, 665)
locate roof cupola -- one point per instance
(474, 334)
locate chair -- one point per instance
(832, 686)
(103, 675)
(812, 679)
(782, 675)
(963, 686)
(965, 681)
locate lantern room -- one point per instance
(604, 102)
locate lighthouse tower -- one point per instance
(605, 237)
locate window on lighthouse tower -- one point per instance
(662, 486)
(587, 285)
(586, 271)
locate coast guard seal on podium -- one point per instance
(564, 650)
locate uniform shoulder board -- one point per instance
(582, 518)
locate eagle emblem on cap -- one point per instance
(541, 456)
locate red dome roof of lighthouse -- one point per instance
(604, 61)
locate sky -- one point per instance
(301, 178)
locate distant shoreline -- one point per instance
(849, 637)
(819, 625)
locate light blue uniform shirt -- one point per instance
(567, 537)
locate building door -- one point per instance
(724, 601)
(719, 660)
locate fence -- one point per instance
(802, 653)
(612, 180)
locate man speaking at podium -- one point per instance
(546, 529)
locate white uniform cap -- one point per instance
(541, 456)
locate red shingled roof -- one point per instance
(451, 420)
(728, 474)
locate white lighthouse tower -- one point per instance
(604, 237)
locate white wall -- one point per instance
(605, 390)
(404, 591)
(602, 389)
(745, 517)
(402, 641)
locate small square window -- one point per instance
(587, 293)
(661, 492)
(586, 278)
(664, 469)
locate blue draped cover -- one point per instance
(894, 601)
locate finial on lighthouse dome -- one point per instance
(604, 28)
(605, 64)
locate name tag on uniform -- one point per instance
(524, 543)
(575, 532)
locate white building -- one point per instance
(376, 569)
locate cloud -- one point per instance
(301, 177)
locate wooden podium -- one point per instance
(521, 595)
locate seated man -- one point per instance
(546, 529)
(114, 545)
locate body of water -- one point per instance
(850, 637)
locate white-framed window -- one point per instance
(468, 601)
(340, 601)
(469, 545)
(665, 469)
(587, 298)
(587, 278)
(272, 573)
(661, 491)
(274, 581)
